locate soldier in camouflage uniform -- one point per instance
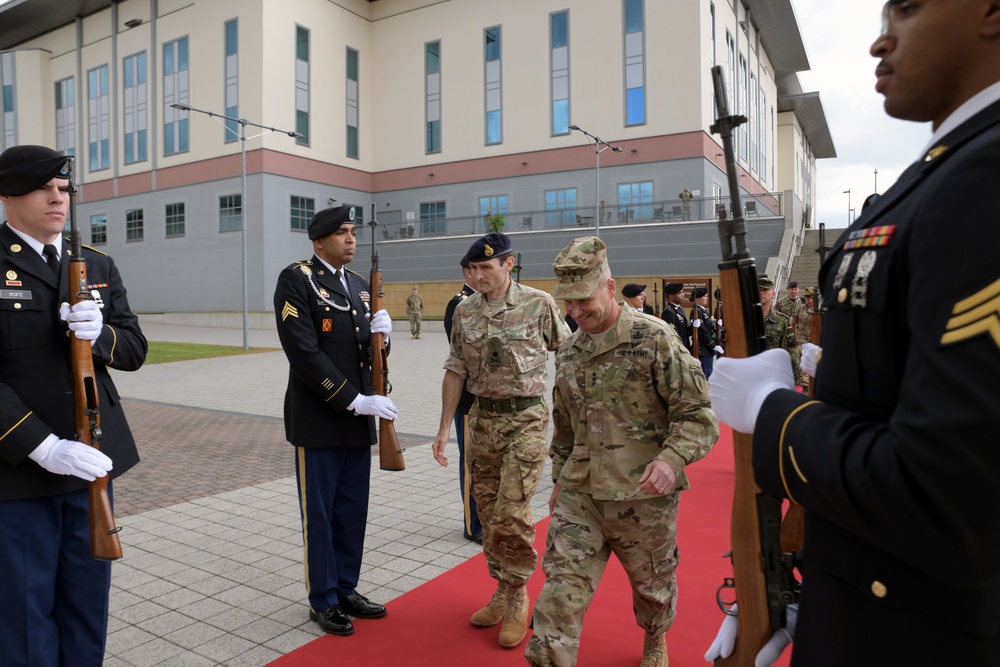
(499, 340)
(630, 411)
(778, 329)
(794, 308)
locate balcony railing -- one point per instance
(767, 204)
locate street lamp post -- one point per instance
(243, 122)
(876, 182)
(599, 146)
(848, 193)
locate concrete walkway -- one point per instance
(212, 573)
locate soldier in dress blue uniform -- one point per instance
(674, 314)
(703, 326)
(472, 528)
(896, 460)
(53, 594)
(322, 311)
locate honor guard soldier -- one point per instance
(472, 529)
(673, 313)
(703, 326)
(630, 412)
(635, 296)
(895, 461)
(322, 313)
(54, 608)
(499, 341)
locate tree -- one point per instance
(494, 221)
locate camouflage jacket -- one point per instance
(414, 304)
(503, 355)
(798, 313)
(778, 332)
(635, 396)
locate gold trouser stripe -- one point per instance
(300, 452)
(791, 453)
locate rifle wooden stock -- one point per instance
(104, 542)
(694, 331)
(390, 454)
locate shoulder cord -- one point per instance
(323, 298)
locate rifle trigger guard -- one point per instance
(726, 607)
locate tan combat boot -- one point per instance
(515, 618)
(493, 612)
(654, 651)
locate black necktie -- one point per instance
(52, 257)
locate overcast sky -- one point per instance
(837, 36)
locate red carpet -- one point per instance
(429, 626)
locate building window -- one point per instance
(135, 108)
(302, 210)
(99, 229)
(302, 85)
(231, 69)
(432, 95)
(762, 141)
(175, 220)
(559, 64)
(711, 35)
(492, 205)
(65, 117)
(741, 106)
(635, 63)
(492, 76)
(560, 207)
(730, 72)
(176, 87)
(230, 212)
(8, 128)
(352, 103)
(133, 225)
(432, 218)
(752, 116)
(635, 200)
(98, 118)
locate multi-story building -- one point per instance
(437, 112)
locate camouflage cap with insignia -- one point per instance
(765, 283)
(809, 291)
(27, 168)
(579, 266)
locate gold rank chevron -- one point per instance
(289, 310)
(977, 314)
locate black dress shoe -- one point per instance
(333, 620)
(359, 606)
(478, 539)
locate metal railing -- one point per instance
(768, 204)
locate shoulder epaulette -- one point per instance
(304, 262)
(355, 273)
(99, 252)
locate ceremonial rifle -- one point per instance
(390, 454)
(104, 542)
(695, 314)
(761, 575)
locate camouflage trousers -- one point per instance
(582, 536)
(415, 324)
(506, 455)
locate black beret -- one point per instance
(673, 288)
(27, 168)
(793, 284)
(329, 220)
(869, 200)
(464, 262)
(489, 246)
(699, 292)
(633, 289)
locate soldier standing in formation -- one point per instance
(794, 308)
(54, 608)
(778, 330)
(703, 326)
(414, 310)
(673, 313)
(616, 488)
(472, 529)
(635, 296)
(498, 350)
(322, 310)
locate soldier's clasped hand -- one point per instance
(68, 457)
(85, 319)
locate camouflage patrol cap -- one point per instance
(809, 291)
(765, 283)
(579, 266)
(27, 168)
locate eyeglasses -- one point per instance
(890, 15)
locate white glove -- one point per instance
(375, 405)
(810, 357)
(85, 319)
(718, 323)
(725, 640)
(381, 322)
(696, 323)
(68, 457)
(718, 348)
(738, 387)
